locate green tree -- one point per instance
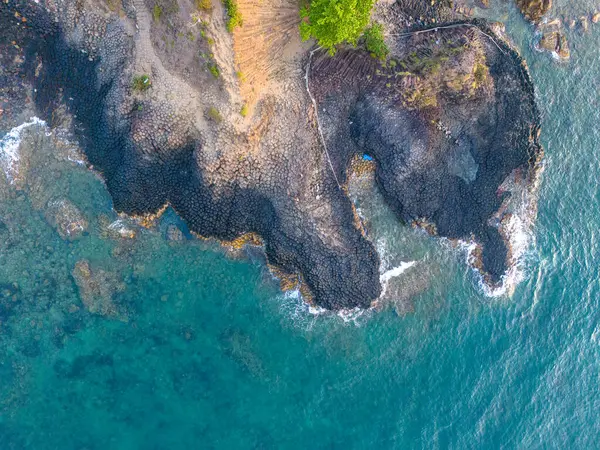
(332, 22)
(374, 41)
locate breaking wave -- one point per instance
(9, 149)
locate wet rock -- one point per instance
(534, 10)
(583, 22)
(65, 218)
(553, 40)
(116, 229)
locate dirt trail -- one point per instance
(166, 87)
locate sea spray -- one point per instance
(9, 149)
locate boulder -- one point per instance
(533, 10)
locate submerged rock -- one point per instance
(97, 288)
(66, 218)
(174, 233)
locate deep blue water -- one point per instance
(206, 352)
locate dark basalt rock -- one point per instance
(493, 134)
(416, 164)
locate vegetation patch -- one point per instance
(141, 83)
(214, 114)
(234, 17)
(244, 110)
(374, 42)
(204, 5)
(157, 12)
(481, 73)
(214, 70)
(333, 22)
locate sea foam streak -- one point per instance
(385, 277)
(9, 149)
(517, 231)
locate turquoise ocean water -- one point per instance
(204, 351)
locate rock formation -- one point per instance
(447, 119)
(534, 10)
(553, 39)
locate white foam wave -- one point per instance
(9, 149)
(385, 277)
(303, 314)
(517, 230)
(121, 227)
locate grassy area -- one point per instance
(141, 83)
(234, 16)
(244, 110)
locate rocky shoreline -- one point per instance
(447, 120)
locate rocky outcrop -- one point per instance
(446, 124)
(534, 10)
(432, 165)
(553, 40)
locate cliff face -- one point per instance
(445, 123)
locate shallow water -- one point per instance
(202, 350)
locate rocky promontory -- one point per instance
(254, 132)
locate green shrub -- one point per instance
(244, 110)
(204, 5)
(374, 41)
(332, 22)
(157, 12)
(480, 74)
(214, 70)
(214, 114)
(141, 83)
(234, 16)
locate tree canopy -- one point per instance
(332, 22)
